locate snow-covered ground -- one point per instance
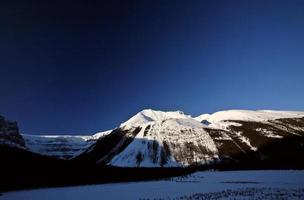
(278, 184)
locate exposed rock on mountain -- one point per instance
(9, 134)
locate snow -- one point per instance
(249, 115)
(246, 141)
(268, 133)
(61, 146)
(223, 125)
(174, 129)
(128, 158)
(149, 115)
(199, 182)
(202, 117)
(100, 134)
(222, 119)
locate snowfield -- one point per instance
(264, 184)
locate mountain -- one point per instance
(166, 139)
(9, 134)
(60, 146)
(155, 139)
(173, 139)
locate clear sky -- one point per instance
(79, 67)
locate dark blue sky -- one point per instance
(79, 67)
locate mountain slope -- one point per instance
(170, 141)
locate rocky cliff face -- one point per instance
(9, 134)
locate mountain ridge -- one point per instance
(153, 138)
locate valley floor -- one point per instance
(263, 184)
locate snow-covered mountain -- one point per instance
(221, 119)
(61, 146)
(165, 139)
(173, 139)
(58, 146)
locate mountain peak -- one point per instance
(148, 115)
